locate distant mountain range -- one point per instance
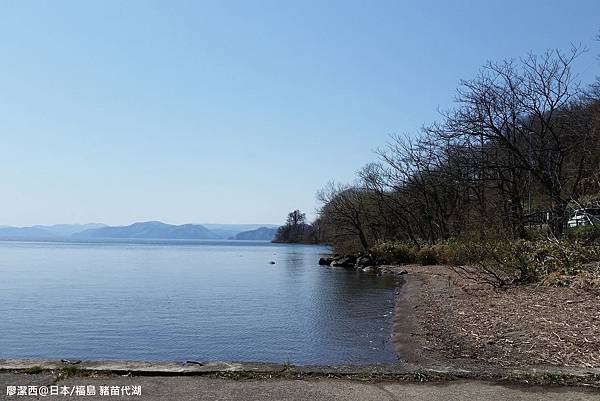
(69, 229)
(45, 232)
(260, 234)
(143, 230)
(150, 230)
(229, 231)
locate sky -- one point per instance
(235, 111)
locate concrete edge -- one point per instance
(254, 370)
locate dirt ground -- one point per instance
(450, 318)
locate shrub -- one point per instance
(440, 254)
(395, 252)
(455, 253)
(427, 255)
(500, 263)
(528, 261)
(463, 253)
(34, 370)
(589, 235)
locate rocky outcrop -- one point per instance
(345, 261)
(363, 263)
(326, 261)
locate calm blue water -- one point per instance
(211, 300)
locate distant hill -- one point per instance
(25, 233)
(223, 233)
(260, 234)
(69, 229)
(45, 232)
(150, 230)
(229, 231)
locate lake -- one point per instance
(190, 300)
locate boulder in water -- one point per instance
(346, 261)
(325, 261)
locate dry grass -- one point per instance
(521, 325)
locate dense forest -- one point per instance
(512, 158)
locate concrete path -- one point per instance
(184, 388)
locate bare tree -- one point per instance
(522, 107)
(523, 133)
(418, 172)
(348, 211)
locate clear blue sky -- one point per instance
(234, 112)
